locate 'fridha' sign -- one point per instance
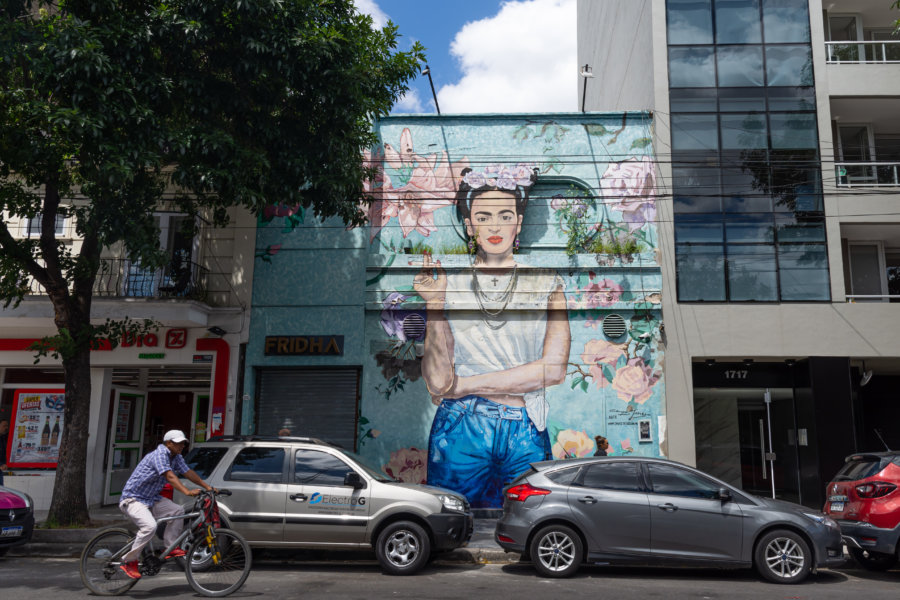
(309, 345)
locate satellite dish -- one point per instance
(866, 378)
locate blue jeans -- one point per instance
(477, 447)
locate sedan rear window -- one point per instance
(204, 460)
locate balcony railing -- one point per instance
(862, 52)
(867, 174)
(121, 278)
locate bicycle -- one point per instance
(216, 563)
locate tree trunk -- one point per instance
(69, 503)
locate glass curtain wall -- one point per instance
(749, 218)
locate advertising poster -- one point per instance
(36, 428)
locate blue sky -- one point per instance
(488, 55)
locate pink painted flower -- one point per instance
(628, 187)
(605, 293)
(572, 444)
(600, 352)
(558, 202)
(626, 445)
(409, 465)
(632, 383)
(431, 185)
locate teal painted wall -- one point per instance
(589, 220)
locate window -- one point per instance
(257, 464)
(690, 21)
(563, 476)
(204, 460)
(785, 21)
(314, 467)
(737, 22)
(674, 481)
(622, 476)
(32, 227)
(745, 151)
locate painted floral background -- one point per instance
(591, 218)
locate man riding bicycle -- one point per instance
(143, 504)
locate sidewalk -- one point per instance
(69, 542)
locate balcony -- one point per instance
(871, 256)
(867, 141)
(879, 52)
(120, 278)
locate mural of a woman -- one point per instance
(497, 336)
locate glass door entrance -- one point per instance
(732, 428)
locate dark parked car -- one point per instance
(561, 514)
(864, 500)
(16, 518)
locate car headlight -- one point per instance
(822, 519)
(454, 503)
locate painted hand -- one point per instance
(430, 288)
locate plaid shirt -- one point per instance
(149, 476)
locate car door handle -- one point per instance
(298, 497)
(588, 500)
(668, 507)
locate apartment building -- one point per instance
(183, 376)
(777, 132)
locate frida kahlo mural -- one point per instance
(509, 296)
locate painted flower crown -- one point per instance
(501, 177)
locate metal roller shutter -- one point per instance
(321, 403)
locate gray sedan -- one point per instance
(562, 514)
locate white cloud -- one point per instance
(523, 59)
(410, 102)
(371, 8)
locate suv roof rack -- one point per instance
(268, 438)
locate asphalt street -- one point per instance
(24, 578)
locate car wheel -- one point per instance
(783, 556)
(3, 551)
(556, 551)
(403, 548)
(873, 561)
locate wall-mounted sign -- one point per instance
(152, 355)
(304, 345)
(36, 428)
(202, 358)
(173, 338)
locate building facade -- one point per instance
(501, 306)
(183, 376)
(777, 134)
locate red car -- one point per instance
(863, 498)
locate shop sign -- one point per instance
(174, 338)
(202, 358)
(304, 345)
(36, 428)
(152, 355)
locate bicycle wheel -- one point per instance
(100, 570)
(228, 568)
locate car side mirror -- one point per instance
(724, 494)
(352, 479)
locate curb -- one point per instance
(68, 543)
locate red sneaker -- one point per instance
(176, 553)
(131, 569)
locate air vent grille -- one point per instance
(614, 326)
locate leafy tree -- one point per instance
(105, 106)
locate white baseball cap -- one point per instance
(175, 435)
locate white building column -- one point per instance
(98, 435)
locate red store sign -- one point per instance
(174, 338)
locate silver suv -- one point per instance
(306, 493)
